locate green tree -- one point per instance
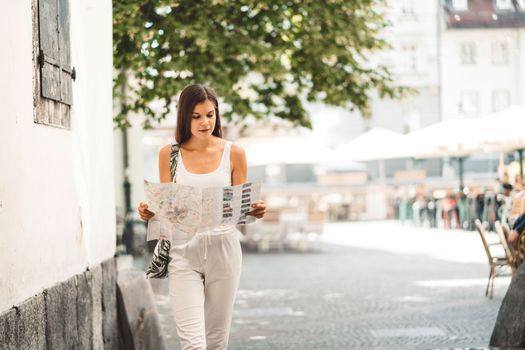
(262, 57)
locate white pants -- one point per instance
(203, 280)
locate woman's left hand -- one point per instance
(259, 209)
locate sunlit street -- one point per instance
(367, 285)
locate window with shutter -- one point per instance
(52, 55)
(55, 57)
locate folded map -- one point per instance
(193, 208)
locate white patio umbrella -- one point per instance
(375, 144)
(457, 137)
(284, 150)
(504, 131)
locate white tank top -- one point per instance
(220, 177)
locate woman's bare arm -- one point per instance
(164, 164)
(238, 165)
(239, 176)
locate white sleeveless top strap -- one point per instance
(219, 177)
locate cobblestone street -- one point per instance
(367, 286)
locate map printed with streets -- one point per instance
(193, 208)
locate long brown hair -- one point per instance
(191, 96)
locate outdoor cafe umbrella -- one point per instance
(377, 143)
(504, 131)
(284, 150)
(456, 137)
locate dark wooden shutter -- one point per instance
(65, 52)
(49, 52)
(55, 56)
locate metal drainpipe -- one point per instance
(440, 4)
(127, 236)
(461, 182)
(520, 155)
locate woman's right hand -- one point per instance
(144, 213)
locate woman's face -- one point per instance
(203, 119)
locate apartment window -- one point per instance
(503, 5)
(500, 52)
(409, 57)
(53, 73)
(500, 100)
(468, 103)
(468, 53)
(460, 5)
(407, 7)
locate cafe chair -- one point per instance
(496, 264)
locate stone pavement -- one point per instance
(374, 285)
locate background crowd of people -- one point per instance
(459, 210)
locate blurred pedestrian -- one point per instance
(450, 211)
(504, 201)
(518, 183)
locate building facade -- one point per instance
(57, 202)
(414, 62)
(483, 56)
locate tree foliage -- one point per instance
(262, 57)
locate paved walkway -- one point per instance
(374, 285)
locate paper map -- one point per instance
(193, 208)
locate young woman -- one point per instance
(204, 274)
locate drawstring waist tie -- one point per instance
(206, 236)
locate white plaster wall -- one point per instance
(56, 186)
(484, 76)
